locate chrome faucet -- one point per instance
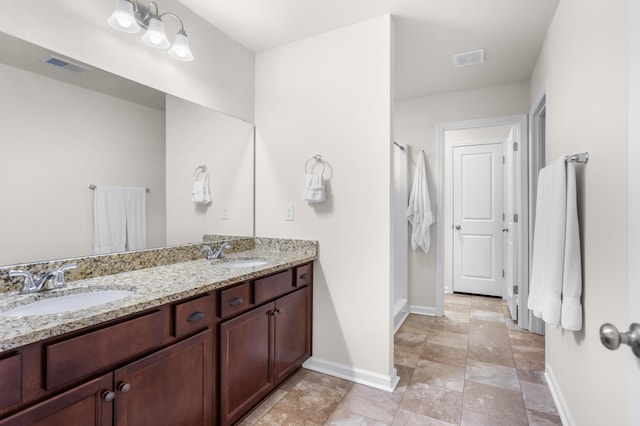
(218, 253)
(33, 285)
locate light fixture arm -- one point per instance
(175, 16)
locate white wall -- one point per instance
(57, 139)
(221, 76)
(197, 135)
(584, 60)
(415, 121)
(331, 95)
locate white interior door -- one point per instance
(509, 230)
(477, 219)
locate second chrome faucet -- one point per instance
(34, 285)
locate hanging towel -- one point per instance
(136, 207)
(556, 278)
(314, 191)
(419, 211)
(119, 219)
(200, 193)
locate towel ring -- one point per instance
(200, 169)
(318, 159)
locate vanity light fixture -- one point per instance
(130, 17)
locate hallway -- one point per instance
(471, 367)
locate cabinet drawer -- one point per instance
(304, 275)
(76, 357)
(235, 300)
(273, 286)
(11, 383)
(193, 315)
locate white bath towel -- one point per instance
(419, 211)
(200, 194)
(314, 191)
(556, 281)
(119, 219)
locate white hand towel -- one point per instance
(419, 211)
(109, 220)
(136, 212)
(200, 193)
(556, 281)
(571, 317)
(314, 191)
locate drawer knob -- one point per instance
(108, 396)
(237, 301)
(124, 387)
(196, 316)
(304, 276)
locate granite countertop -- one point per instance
(152, 287)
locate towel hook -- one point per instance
(318, 159)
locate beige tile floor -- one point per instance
(471, 367)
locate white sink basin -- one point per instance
(243, 263)
(69, 302)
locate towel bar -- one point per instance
(92, 187)
(582, 157)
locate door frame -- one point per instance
(520, 121)
(633, 201)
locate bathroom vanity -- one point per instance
(197, 343)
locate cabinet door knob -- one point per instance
(275, 312)
(108, 395)
(304, 276)
(237, 301)
(124, 387)
(196, 316)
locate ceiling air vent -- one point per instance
(468, 58)
(62, 63)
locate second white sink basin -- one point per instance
(69, 302)
(243, 263)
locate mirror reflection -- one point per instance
(67, 126)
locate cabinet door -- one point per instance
(292, 338)
(84, 405)
(173, 386)
(245, 359)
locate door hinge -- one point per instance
(503, 273)
(503, 217)
(515, 146)
(503, 160)
(515, 218)
(515, 289)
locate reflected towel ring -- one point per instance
(200, 169)
(318, 159)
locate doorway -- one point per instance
(485, 130)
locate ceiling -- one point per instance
(427, 34)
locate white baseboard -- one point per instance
(423, 310)
(356, 375)
(558, 398)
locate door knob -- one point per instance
(611, 338)
(458, 227)
(505, 229)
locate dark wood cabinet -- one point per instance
(259, 349)
(86, 405)
(245, 359)
(175, 364)
(173, 386)
(292, 333)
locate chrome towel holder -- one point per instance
(318, 160)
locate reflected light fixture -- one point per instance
(131, 17)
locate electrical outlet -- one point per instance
(288, 213)
(225, 211)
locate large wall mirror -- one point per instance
(66, 127)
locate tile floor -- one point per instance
(471, 367)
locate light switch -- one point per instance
(288, 214)
(225, 211)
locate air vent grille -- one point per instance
(62, 63)
(468, 58)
